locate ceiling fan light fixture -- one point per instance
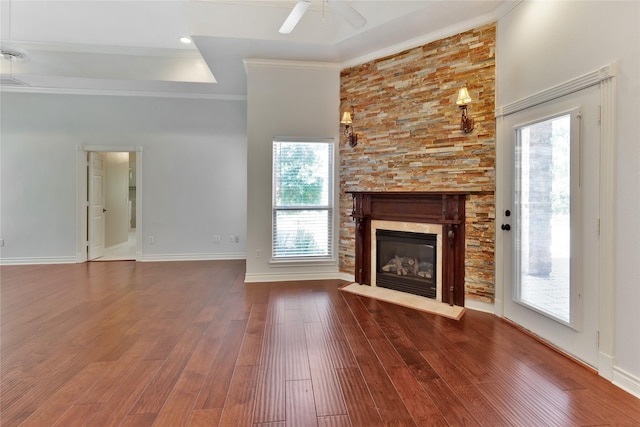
(295, 15)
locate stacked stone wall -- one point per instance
(409, 138)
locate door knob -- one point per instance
(505, 227)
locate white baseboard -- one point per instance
(292, 277)
(605, 365)
(626, 381)
(38, 260)
(194, 257)
(160, 257)
(476, 305)
(346, 276)
(498, 307)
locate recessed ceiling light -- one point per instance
(12, 54)
(185, 40)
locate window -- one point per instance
(543, 193)
(302, 199)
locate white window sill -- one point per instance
(301, 262)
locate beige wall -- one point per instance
(409, 138)
(194, 172)
(533, 44)
(284, 99)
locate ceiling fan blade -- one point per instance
(295, 15)
(347, 11)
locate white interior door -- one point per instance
(96, 226)
(550, 218)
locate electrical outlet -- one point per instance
(236, 239)
(1, 242)
(216, 239)
(258, 253)
(232, 238)
(152, 240)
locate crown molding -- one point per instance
(300, 65)
(141, 94)
(422, 40)
(189, 51)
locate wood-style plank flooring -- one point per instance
(188, 343)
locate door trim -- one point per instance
(81, 196)
(605, 77)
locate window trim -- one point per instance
(317, 260)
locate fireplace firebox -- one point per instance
(406, 262)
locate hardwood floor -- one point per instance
(188, 343)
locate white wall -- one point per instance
(544, 43)
(284, 99)
(116, 198)
(193, 172)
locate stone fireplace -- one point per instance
(411, 242)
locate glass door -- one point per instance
(551, 221)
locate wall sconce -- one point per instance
(348, 129)
(466, 124)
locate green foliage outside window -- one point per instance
(301, 181)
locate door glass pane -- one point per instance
(543, 195)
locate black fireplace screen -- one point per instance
(406, 262)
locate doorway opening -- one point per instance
(109, 226)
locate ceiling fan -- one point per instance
(340, 7)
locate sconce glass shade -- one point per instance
(463, 97)
(346, 118)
